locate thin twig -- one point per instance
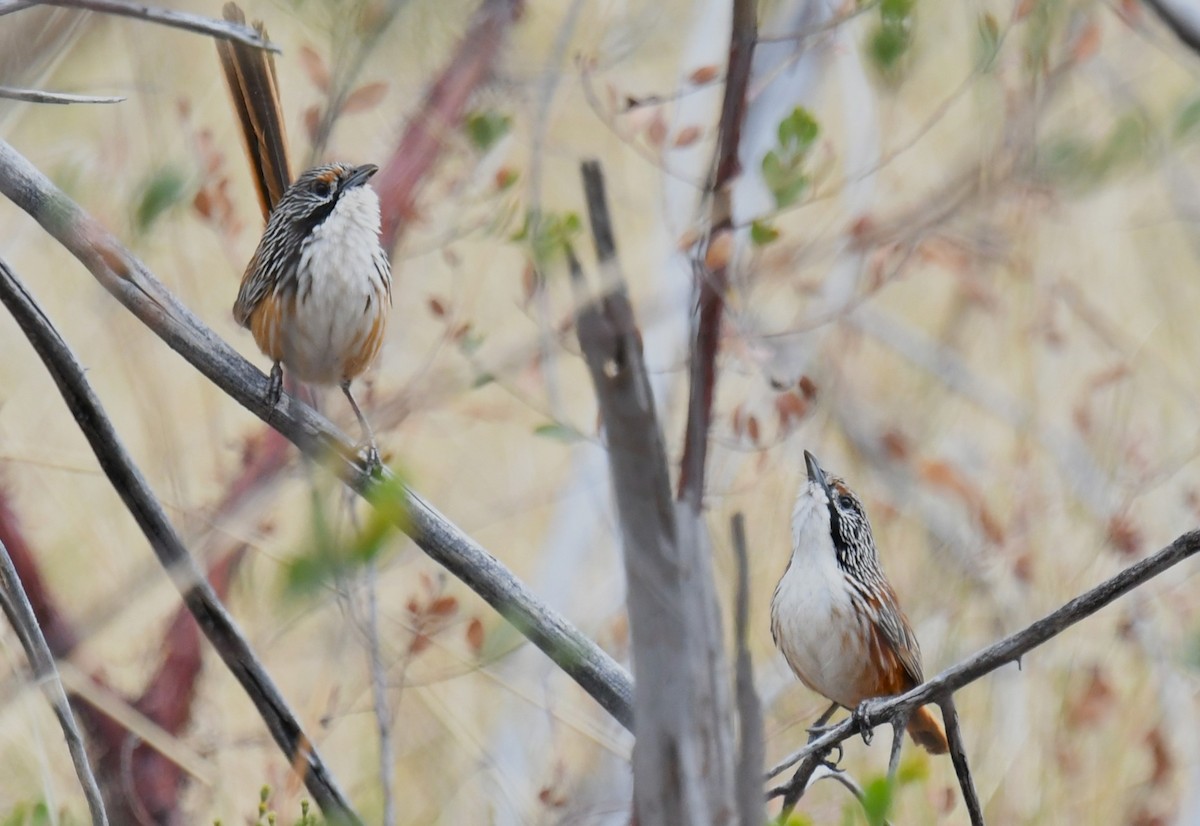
(187, 21)
(383, 715)
(751, 748)
(712, 268)
(36, 96)
(1009, 649)
(958, 755)
(123, 275)
(197, 593)
(17, 608)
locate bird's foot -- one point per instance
(865, 725)
(372, 464)
(274, 387)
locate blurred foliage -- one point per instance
(328, 559)
(166, 187)
(546, 235)
(783, 167)
(485, 129)
(892, 37)
(1084, 164)
(36, 814)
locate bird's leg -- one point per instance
(818, 728)
(898, 725)
(863, 715)
(374, 465)
(275, 385)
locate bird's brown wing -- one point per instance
(897, 635)
(250, 76)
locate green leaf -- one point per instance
(888, 45)
(326, 562)
(165, 188)
(762, 233)
(561, 432)
(989, 38)
(877, 801)
(548, 234)
(484, 129)
(798, 131)
(896, 11)
(483, 379)
(1187, 122)
(1127, 143)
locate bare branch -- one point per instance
(17, 608)
(1181, 18)
(958, 755)
(711, 269)
(682, 765)
(187, 21)
(751, 749)
(123, 275)
(35, 96)
(197, 593)
(1009, 649)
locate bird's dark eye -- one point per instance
(322, 189)
(845, 501)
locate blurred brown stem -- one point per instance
(169, 17)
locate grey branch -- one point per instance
(219, 29)
(958, 755)
(1182, 18)
(15, 603)
(1009, 649)
(36, 96)
(682, 763)
(751, 748)
(198, 594)
(123, 275)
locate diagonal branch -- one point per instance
(17, 608)
(197, 593)
(123, 275)
(187, 21)
(1010, 649)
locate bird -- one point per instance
(318, 288)
(834, 615)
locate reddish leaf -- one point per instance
(419, 643)
(475, 635)
(1123, 533)
(437, 307)
(656, 132)
(443, 606)
(312, 120)
(1093, 703)
(414, 607)
(1087, 44)
(314, 67)
(808, 387)
(752, 428)
(1161, 759)
(705, 74)
(687, 136)
(789, 407)
(364, 97)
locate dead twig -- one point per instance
(36, 96)
(17, 608)
(187, 21)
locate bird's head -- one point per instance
(829, 519)
(322, 191)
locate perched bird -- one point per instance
(317, 291)
(834, 614)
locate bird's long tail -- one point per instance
(250, 75)
(927, 732)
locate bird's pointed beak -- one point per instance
(360, 175)
(816, 474)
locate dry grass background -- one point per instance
(1011, 385)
